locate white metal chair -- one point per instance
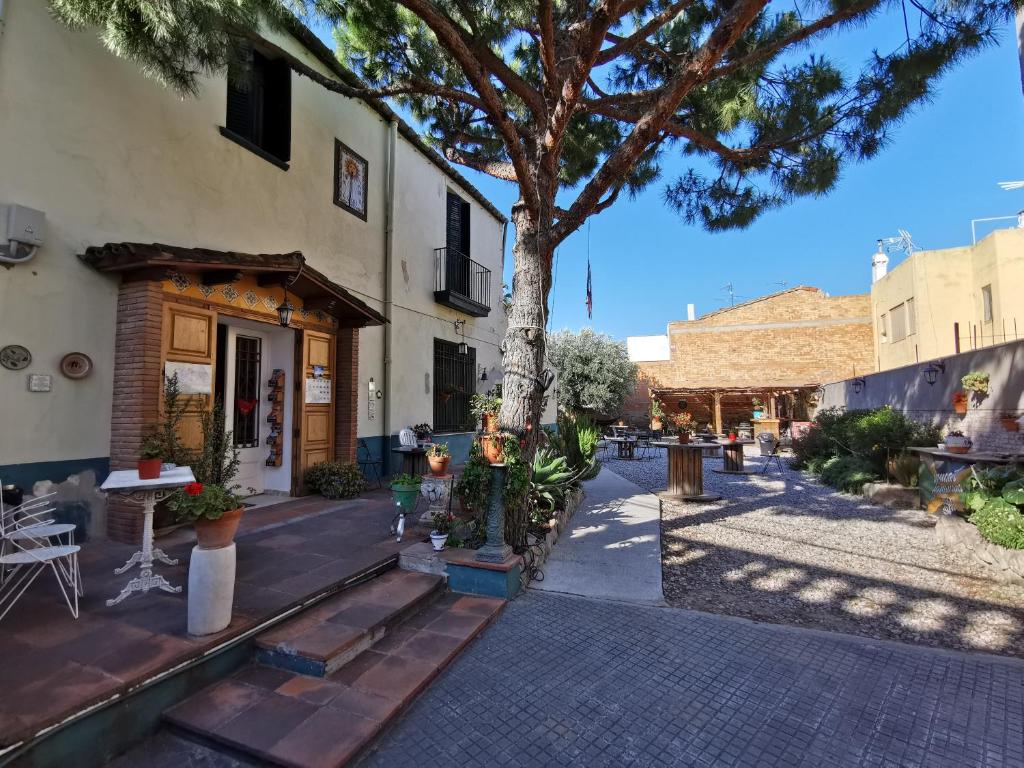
(407, 438)
(30, 542)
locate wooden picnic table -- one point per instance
(414, 459)
(732, 457)
(686, 471)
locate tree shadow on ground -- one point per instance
(706, 576)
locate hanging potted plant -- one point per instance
(657, 414)
(485, 407)
(212, 509)
(442, 527)
(151, 454)
(1010, 421)
(492, 444)
(758, 408)
(438, 457)
(960, 402)
(957, 442)
(976, 382)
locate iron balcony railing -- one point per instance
(461, 283)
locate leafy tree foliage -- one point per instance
(594, 371)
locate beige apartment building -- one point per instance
(941, 302)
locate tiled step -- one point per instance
(279, 717)
(328, 636)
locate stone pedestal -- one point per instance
(496, 550)
(436, 490)
(211, 589)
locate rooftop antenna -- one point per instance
(902, 242)
(732, 293)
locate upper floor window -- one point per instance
(460, 282)
(986, 303)
(259, 111)
(457, 224)
(883, 327)
(898, 325)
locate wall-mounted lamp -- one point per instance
(483, 373)
(858, 385)
(460, 330)
(931, 373)
(285, 310)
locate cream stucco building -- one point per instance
(173, 229)
(940, 302)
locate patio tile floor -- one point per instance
(54, 666)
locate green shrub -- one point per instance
(335, 479)
(811, 446)
(473, 488)
(994, 499)
(576, 440)
(847, 473)
(905, 469)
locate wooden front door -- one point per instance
(190, 337)
(314, 434)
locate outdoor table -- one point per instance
(946, 463)
(414, 459)
(626, 446)
(126, 483)
(732, 457)
(686, 471)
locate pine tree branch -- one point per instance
(652, 25)
(768, 51)
(547, 44)
(495, 168)
(735, 22)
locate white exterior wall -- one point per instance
(110, 156)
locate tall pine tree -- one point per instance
(576, 101)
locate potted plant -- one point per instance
(442, 527)
(212, 509)
(657, 414)
(1010, 421)
(446, 392)
(474, 484)
(485, 407)
(151, 454)
(960, 403)
(404, 490)
(957, 442)
(758, 408)
(422, 432)
(438, 457)
(684, 423)
(976, 382)
(492, 445)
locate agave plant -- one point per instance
(552, 478)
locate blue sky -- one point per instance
(939, 172)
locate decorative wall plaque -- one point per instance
(76, 365)
(350, 180)
(15, 357)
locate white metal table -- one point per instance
(127, 484)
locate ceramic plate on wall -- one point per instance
(76, 365)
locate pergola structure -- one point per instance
(779, 400)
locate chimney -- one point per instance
(879, 264)
(1020, 219)
(690, 313)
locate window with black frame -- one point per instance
(454, 384)
(246, 430)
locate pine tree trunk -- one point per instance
(523, 362)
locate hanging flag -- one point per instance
(590, 294)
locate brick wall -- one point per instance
(137, 386)
(795, 338)
(346, 396)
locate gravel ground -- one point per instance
(783, 548)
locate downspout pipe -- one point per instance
(389, 247)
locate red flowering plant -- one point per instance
(197, 501)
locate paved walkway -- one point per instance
(783, 548)
(561, 680)
(612, 546)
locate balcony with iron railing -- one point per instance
(461, 283)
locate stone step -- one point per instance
(326, 637)
(280, 717)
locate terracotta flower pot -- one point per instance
(492, 446)
(214, 534)
(958, 448)
(960, 407)
(684, 437)
(1010, 425)
(490, 422)
(438, 465)
(149, 469)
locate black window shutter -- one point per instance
(454, 223)
(465, 228)
(240, 107)
(277, 109)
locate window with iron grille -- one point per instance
(454, 384)
(246, 431)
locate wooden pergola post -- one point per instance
(718, 412)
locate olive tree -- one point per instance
(594, 371)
